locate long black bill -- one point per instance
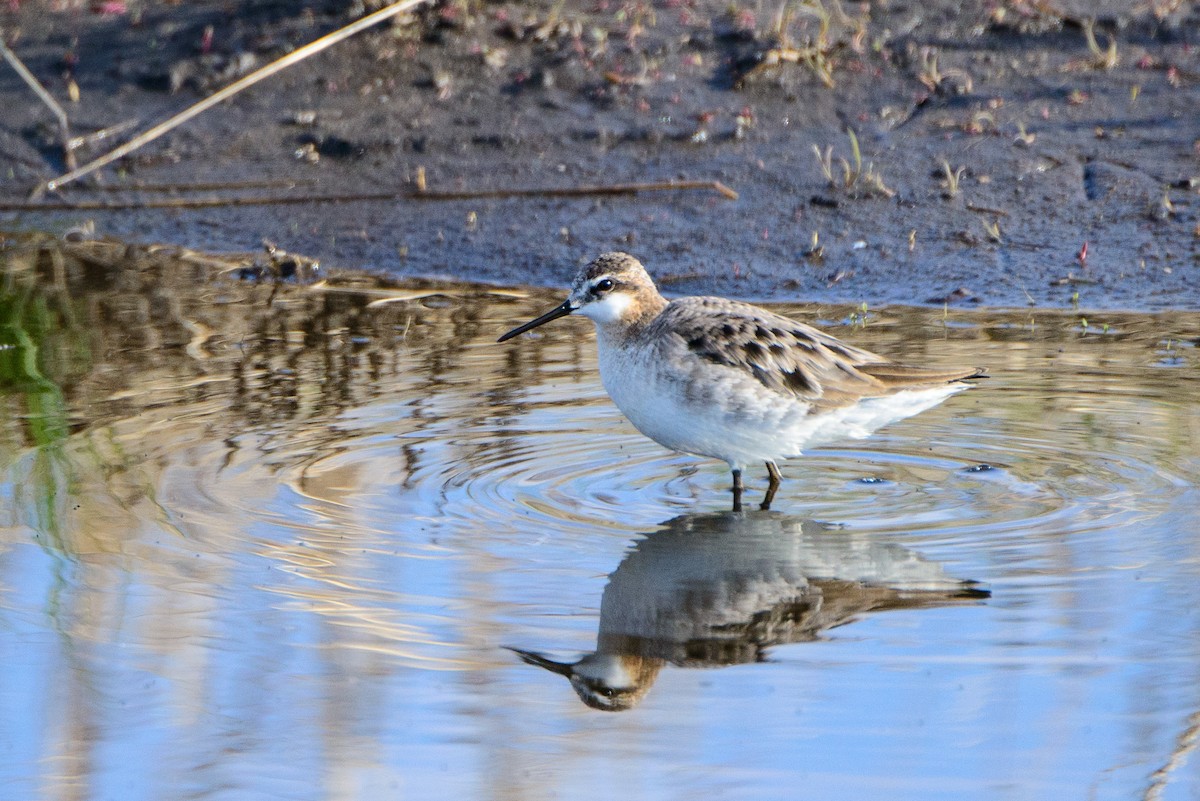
(531, 658)
(553, 314)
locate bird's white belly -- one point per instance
(702, 412)
(721, 414)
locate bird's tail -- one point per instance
(901, 376)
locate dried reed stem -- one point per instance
(64, 126)
(285, 200)
(229, 91)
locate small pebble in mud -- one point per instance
(962, 294)
(307, 153)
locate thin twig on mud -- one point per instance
(986, 210)
(288, 200)
(206, 186)
(576, 191)
(64, 126)
(229, 91)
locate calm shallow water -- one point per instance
(276, 545)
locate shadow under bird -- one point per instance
(719, 589)
(728, 380)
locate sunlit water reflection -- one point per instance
(260, 543)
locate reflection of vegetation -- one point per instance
(36, 324)
(114, 357)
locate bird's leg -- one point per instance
(774, 477)
(737, 490)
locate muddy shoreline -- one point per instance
(996, 142)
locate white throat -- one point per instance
(609, 309)
(607, 669)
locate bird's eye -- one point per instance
(604, 285)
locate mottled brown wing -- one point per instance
(790, 357)
(780, 353)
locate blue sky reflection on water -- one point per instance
(250, 582)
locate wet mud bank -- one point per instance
(1006, 154)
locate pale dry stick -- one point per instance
(104, 133)
(229, 91)
(216, 202)
(64, 126)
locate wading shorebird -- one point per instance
(731, 381)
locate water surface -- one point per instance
(277, 542)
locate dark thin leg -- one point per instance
(737, 490)
(774, 477)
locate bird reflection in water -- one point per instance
(711, 590)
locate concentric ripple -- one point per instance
(559, 458)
